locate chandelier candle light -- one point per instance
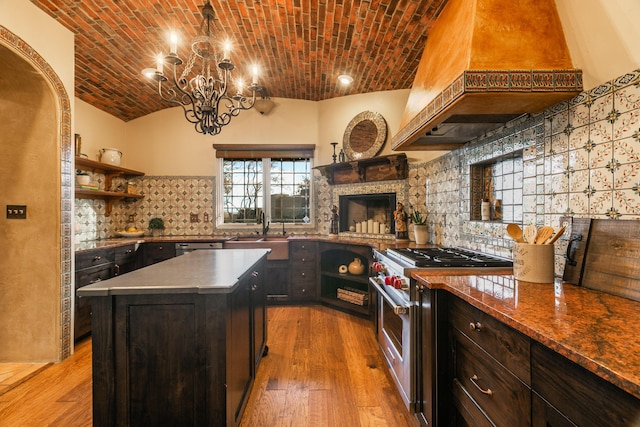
(203, 97)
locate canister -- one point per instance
(533, 263)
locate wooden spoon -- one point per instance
(543, 234)
(530, 233)
(559, 233)
(515, 232)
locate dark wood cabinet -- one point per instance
(277, 281)
(566, 394)
(303, 278)
(490, 370)
(154, 252)
(90, 267)
(126, 258)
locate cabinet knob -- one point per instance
(302, 274)
(128, 251)
(302, 260)
(160, 248)
(302, 247)
(303, 290)
(475, 326)
(97, 258)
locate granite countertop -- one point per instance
(596, 330)
(377, 243)
(199, 272)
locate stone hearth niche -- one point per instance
(356, 208)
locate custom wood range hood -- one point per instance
(486, 62)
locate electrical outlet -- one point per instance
(194, 218)
(16, 211)
(206, 217)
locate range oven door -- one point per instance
(396, 337)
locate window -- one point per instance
(277, 183)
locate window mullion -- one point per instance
(266, 185)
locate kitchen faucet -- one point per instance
(265, 224)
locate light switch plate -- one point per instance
(16, 211)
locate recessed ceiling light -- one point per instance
(345, 79)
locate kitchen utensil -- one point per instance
(530, 233)
(515, 232)
(556, 236)
(543, 234)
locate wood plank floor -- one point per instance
(324, 368)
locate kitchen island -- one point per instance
(178, 342)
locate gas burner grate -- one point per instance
(447, 257)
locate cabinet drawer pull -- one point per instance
(475, 326)
(129, 251)
(95, 281)
(474, 380)
(97, 258)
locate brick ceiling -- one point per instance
(301, 46)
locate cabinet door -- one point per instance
(277, 280)
(259, 312)
(583, 397)
(240, 363)
(545, 415)
(82, 311)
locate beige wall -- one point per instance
(602, 36)
(30, 174)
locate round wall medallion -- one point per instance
(365, 135)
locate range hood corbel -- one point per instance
(486, 62)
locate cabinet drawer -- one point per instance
(93, 258)
(303, 252)
(299, 273)
(125, 254)
(580, 395)
(303, 290)
(88, 276)
(506, 345)
(501, 395)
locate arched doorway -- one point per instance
(36, 170)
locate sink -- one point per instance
(279, 245)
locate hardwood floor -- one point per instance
(324, 368)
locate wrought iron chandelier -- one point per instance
(203, 97)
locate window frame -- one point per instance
(265, 153)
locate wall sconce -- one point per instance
(264, 105)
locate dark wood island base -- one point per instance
(179, 342)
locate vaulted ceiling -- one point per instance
(301, 46)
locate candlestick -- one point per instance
(334, 151)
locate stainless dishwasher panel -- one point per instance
(183, 248)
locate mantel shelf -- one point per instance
(382, 168)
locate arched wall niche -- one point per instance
(36, 169)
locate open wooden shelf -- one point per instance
(110, 172)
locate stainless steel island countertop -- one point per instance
(199, 272)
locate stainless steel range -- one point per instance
(408, 318)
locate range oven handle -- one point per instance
(397, 309)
